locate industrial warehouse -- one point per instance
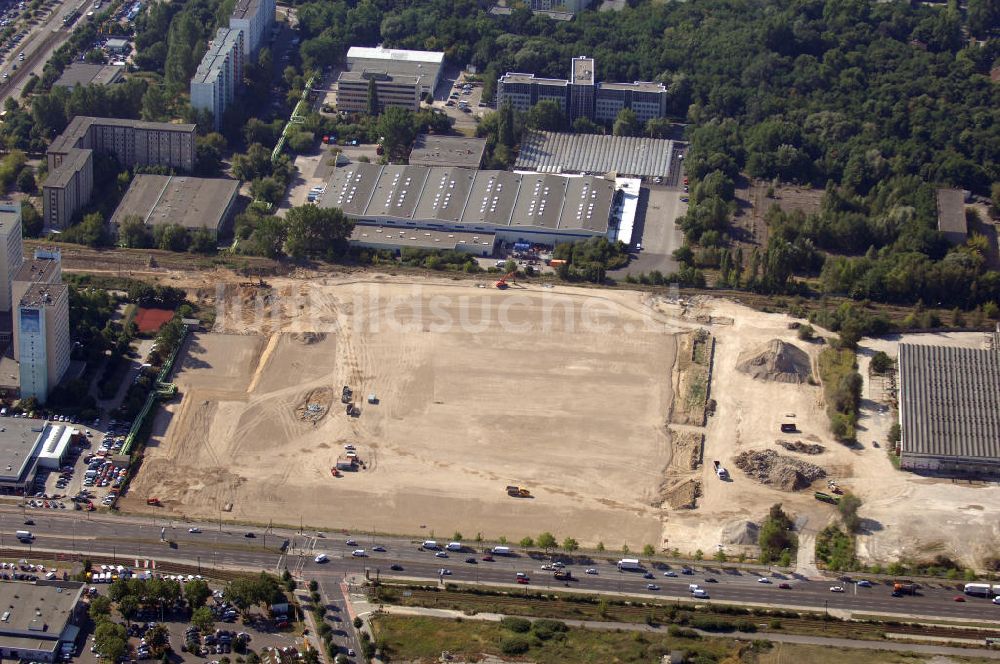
(28, 445)
(949, 410)
(405, 206)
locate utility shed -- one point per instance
(949, 410)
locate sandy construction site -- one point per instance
(562, 391)
(583, 396)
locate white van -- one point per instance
(454, 546)
(703, 594)
(359, 553)
(501, 550)
(693, 587)
(431, 544)
(24, 535)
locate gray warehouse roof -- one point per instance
(18, 440)
(169, 199)
(397, 192)
(37, 612)
(434, 150)
(390, 238)
(951, 211)
(447, 190)
(949, 401)
(555, 152)
(83, 73)
(471, 197)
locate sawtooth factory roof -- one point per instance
(556, 152)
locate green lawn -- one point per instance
(412, 638)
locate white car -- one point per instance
(441, 554)
(670, 573)
(359, 553)
(763, 579)
(322, 558)
(836, 589)
(194, 530)
(592, 570)
(996, 600)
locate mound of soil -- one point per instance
(308, 338)
(741, 532)
(785, 473)
(681, 496)
(776, 361)
(800, 447)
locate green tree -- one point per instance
(203, 619)
(648, 550)
(26, 181)
(203, 241)
(256, 163)
(720, 555)
(110, 639)
(527, 542)
(848, 507)
(570, 544)
(546, 540)
(128, 606)
(196, 593)
(584, 125)
(100, 609)
(626, 124)
(32, 224)
(171, 237)
(132, 233)
(91, 231)
(373, 105)
(314, 232)
(775, 537)
(267, 189)
(396, 127)
(505, 126)
(546, 115)
(881, 362)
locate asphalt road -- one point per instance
(129, 538)
(38, 47)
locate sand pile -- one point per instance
(776, 361)
(800, 447)
(741, 532)
(785, 473)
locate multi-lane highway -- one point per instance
(128, 538)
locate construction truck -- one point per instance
(518, 492)
(563, 575)
(153, 501)
(904, 588)
(346, 394)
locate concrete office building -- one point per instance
(70, 181)
(219, 75)
(42, 323)
(949, 410)
(11, 249)
(255, 18)
(582, 95)
(44, 268)
(41, 619)
(401, 78)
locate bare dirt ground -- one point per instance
(560, 390)
(579, 418)
(905, 515)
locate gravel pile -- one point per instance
(785, 473)
(802, 448)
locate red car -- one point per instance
(522, 580)
(785, 586)
(685, 181)
(488, 558)
(959, 598)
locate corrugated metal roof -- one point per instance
(949, 401)
(555, 152)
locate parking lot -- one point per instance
(230, 637)
(89, 478)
